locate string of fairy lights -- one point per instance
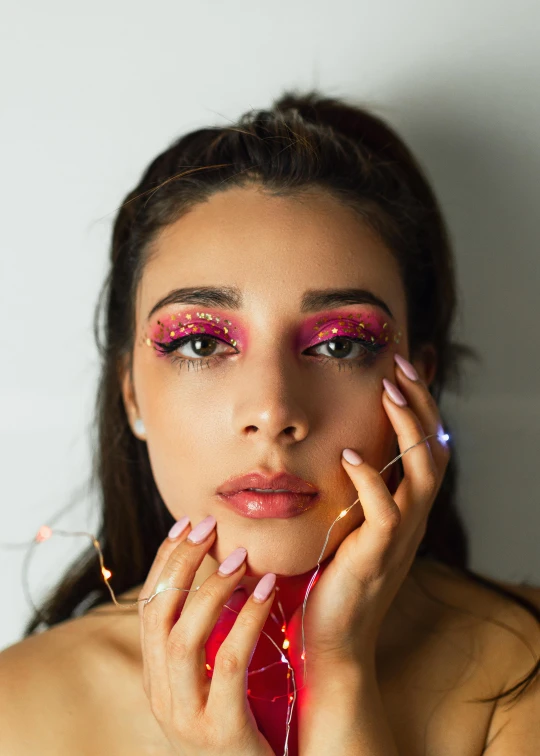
(45, 532)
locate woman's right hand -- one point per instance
(199, 716)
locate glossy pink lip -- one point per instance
(258, 505)
(256, 479)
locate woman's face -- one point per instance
(270, 395)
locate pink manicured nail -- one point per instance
(394, 393)
(264, 587)
(178, 527)
(406, 366)
(350, 456)
(233, 561)
(202, 530)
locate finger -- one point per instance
(186, 653)
(228, 691)
(424, 405)
(161, 613)
(162, 555)
(421, 476)
(383, 519)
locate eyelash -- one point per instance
(371, 350)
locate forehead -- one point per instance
(273, 249)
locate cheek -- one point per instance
(358, 420)
(185, 433)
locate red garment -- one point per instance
(270, 716)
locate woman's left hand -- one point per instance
(354, 591)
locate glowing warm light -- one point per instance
(43, 533)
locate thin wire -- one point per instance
(46, 532)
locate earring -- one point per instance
(138, 425)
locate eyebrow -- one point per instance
(231, 298)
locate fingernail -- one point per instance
(394, 393)
(351, 457)
(202, 530)
(406, 366)
(264, 587)
(178, 527)
(233, 561)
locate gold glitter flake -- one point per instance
(149, 342)
(226, 329)
(188, 317)
(334, 330)
(172, 334)
(384, 326)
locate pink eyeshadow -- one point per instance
(170, 327)
(366, 325)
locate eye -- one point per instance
(202, 346)
(348, 351)
(360, 349)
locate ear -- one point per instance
(128, 396)
(426, 363)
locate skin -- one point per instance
(203, 426)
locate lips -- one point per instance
(280, 480)
(277, 505)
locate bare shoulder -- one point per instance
(461, 643)
(502, 622)
(51, 683)
(502, 638)
(38, 710)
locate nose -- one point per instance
(272, 404)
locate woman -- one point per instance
(280, 291)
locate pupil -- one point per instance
(202, 340)
(340, 352)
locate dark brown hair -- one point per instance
(305, 140)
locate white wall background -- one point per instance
(90, 93)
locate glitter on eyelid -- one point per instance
(170, 326)
(345, 327)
